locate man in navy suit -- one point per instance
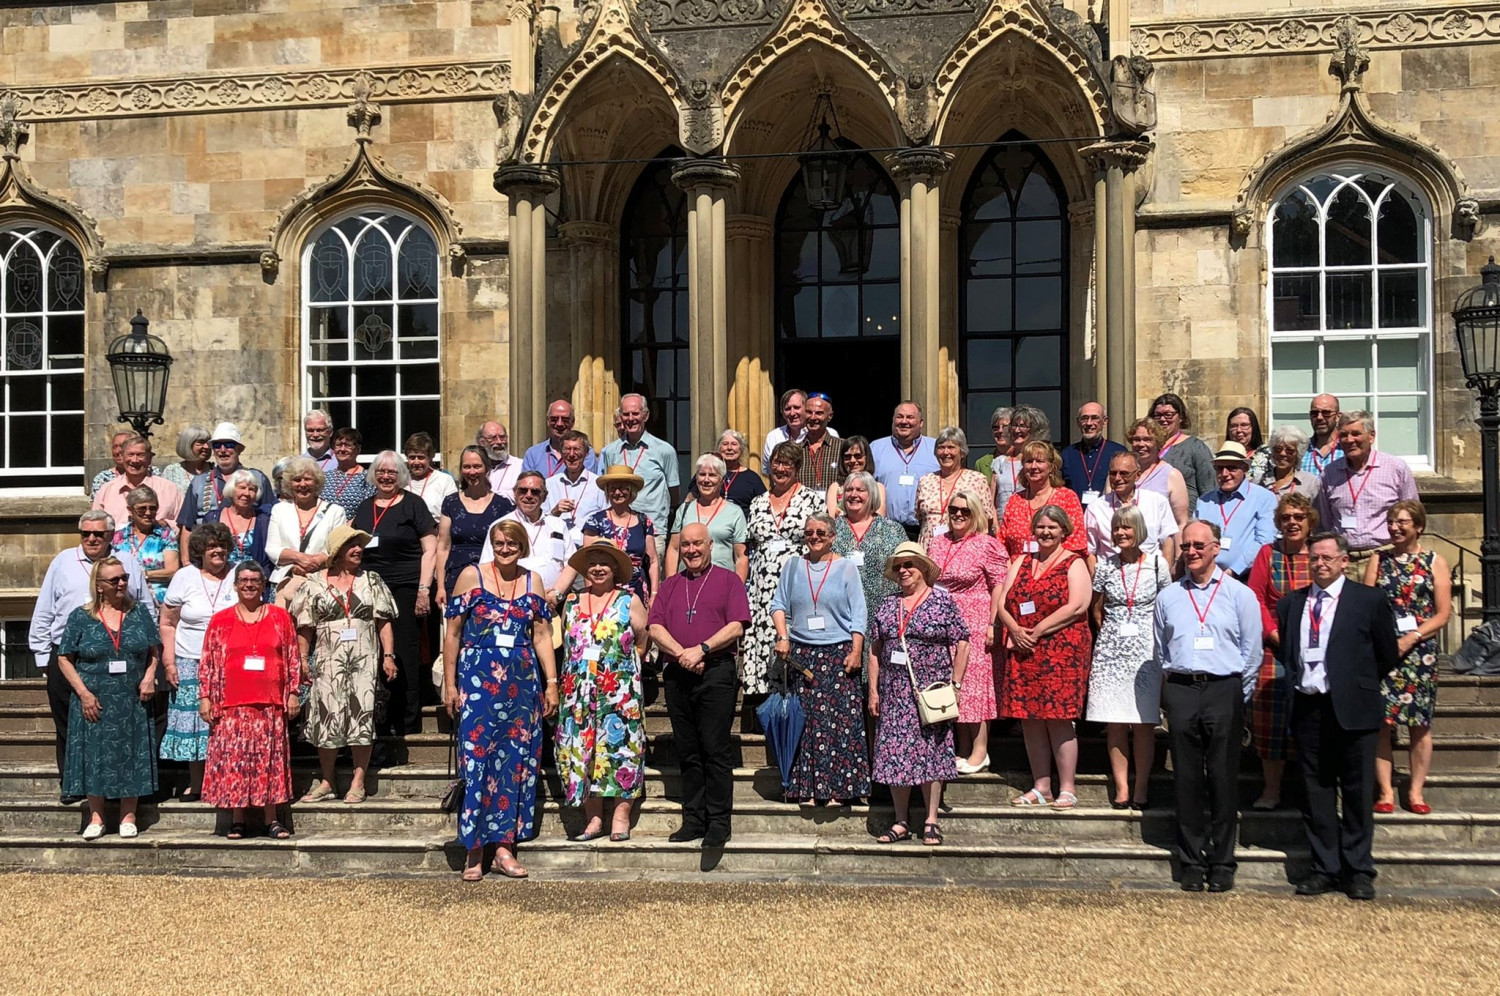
(1338, 638)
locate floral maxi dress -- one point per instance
(774, 539)
(345, 673)
(1410, 691)
(500, 726)
(906, 752)
(601, 740)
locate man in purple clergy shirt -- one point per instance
(697, 620)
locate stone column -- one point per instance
(752, 335)
(1118, 161)
(949, 396)
(707, 183)
(923, 368)
(527, 186)
(593, 321)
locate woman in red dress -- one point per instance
(1041, 485)
(1044, 611)
(252, 677)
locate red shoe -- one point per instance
(1384, 808)
(1420, 808)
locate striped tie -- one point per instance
(1315, 625)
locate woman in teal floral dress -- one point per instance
(152, 543)
(1419, 584)
(499, 630)
(601, 742)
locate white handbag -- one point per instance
(938, 702)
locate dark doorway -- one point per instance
(838, 298)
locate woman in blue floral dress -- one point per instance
(601, 740)
(1420, 588)
(499, 630)
(152, 543)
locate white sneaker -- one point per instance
(129, 830)
(93, 831)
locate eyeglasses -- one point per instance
(222, 445)
(558, 419)
(248, 581)
(1323, 558)
(1090, 418)
(1121, 473)
(961, 513)
(1198, 546)
(146, 508)
(533, 491)
(93, 534)
(122, 579)
(1165, 414)
(816, 533)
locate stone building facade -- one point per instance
(425, 214)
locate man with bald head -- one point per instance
(1323, 412)
(1085, 464)
(504, 467)
(697, 620)
(547, 456)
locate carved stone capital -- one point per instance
(1129, 155)
(1240, 223)
(921, 163)
(526, 180)
(695, 174)
(13, 131)
(589, 234)
(751, 227)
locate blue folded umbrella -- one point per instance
(782, 718)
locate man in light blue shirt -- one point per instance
(653, 459)
(1245, 513)
(1208, 637)
(547, 456)
(68, 586)
(900, 461)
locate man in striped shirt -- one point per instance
(1359, 488)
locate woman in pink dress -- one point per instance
(971, 566)
(934, 490)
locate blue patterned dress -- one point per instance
(150, 551)
(500, 725)
(634, 540)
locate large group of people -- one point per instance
(912, 602)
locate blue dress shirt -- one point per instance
(536, 458)
(1084, 468)
(1246, 518)
(67, 587)
(1230, 620)
(894, 465)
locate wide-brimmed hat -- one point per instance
(915, 552)
(341, 536)
(1231, 452)
(227, 432)
(620, 474)
(617, 558)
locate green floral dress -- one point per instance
(1411, 690)
(601, 740)
(113, 756)
(341, 708)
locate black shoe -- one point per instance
(1192, 880)
(1361, 887)
(715, 838)
(70, 800)
(1221, 881)
(1316, 884)
(684, 833)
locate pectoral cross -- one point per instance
(691, 612)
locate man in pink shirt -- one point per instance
(1359, 488)
(135, 458)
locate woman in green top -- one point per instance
(108, 655)
(723, 519)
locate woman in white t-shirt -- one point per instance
(427, 482)
(195, 594)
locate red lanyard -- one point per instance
(697, 508)
(1319, 460)
(729, 481)
(422, 491)
(860, 537)
(213, 603)
(946, 498)
(377, 513)
(551, 460)
(620, 535)
(303, 527)
(348, 476)
(952, 552)
(495, 573)
(1291, 572)
(588, 616)
(902, 622)
(239, 538)
(1203, 616)
(785, 508)
(820, 466)
(1170, 443)
(1130, 598)
(1140, 482)
(114, 634)
(1088, 472)
(638, 457)
(1227, 519)
(827, 570)
(218, 483)
(1349, 484)
(567, 488)
(253, 629)
(347, 606)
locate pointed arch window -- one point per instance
(370, 327)
(41, 359)
(1349, 300)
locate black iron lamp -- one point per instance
(825, 166)
(141, 365)
(1476, 323)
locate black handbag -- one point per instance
(453, 796)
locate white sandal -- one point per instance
(1031, 797)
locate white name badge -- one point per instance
(1225, 542)
(1028, 608)
(255, 663)
(592, 653)
(1130, 629)
(940, 530)
(117, 667)
(504, 640)
(816, 623)
(1031, 546)
(857, 558)
(1203, 643)
(1314, 655)
(899, 657)
(906, 480)
(348, 635)
(1406, 624)
(374, 542)
(1089, 497)
(1347, 522)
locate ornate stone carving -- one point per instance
(692, 174)
(921, 163)
(363, 114)
(1132, 98)
(1428, 24)
(270, 262)
(510, 114)
(1350, 61)
(665, 16)
(19, 192)
(526, 178)
(198, 94)
(917, 108)
(1128, 155)
(700, 125)
(1353, 132)
(13, 131)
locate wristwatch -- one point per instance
(958, 686)
(704, 647)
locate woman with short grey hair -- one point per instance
(241, 514)
(741, 485)
(396, 461)
(707, 506)
(150, 541)
(1288, 444)
(194, 449)
(866, 538)
(1000, 432)
(299, 526)
(934, 491)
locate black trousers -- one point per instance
(1205, 721)
(701, 708)
(404, 713)
(1335, 762)
(59, 698)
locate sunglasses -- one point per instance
(1196, 546)
(531, 491)
(908, 565)
(819, 396)
(93, 534)
(1293, 517)
(122, 579)
(959, 513)
(153, 509)
(221, 445)
(816, 533)
(1325, 412)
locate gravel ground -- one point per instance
(133, 934)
